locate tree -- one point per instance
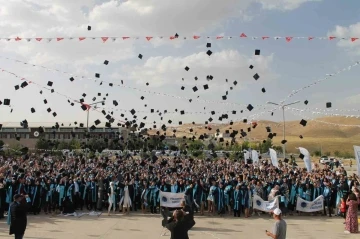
(337, 153)
(41, 143)
(327, 153)
(264, 147)
(196, 145)
(317, 153)
(245, 145)
(63, 145)
(74, 144)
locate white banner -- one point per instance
(307, 159)
(306, 206)
(255, 156)
(357, 157)
(171, 199)
(246, 156)
(265, 206)
(274, 159)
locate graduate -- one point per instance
(227, 194)
(144, 197)
(189, 196)
(111, 192)
(211, 198)
(220, 199)
(49, 189)
(153, 197)
(237, 197)
(36, 195)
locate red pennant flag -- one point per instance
(17, 39)
(265, 38)
(196, 37)
(331, 37)
(243, 35)
(219, 37)
(310, 38)
(104, 39)
(59, 38)
(172, 38)
(124, 38)
(354, 39)
(82, 38)
(149, 38)
(288, 39)
(38, 39)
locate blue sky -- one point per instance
(282, 66)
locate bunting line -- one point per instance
(324, 113)
(128, 87)
(241, 36)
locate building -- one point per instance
(29, 136)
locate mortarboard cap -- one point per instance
(209, 53)
(224, 97)
(71, 79)
(49, 83)
(251, 67)
(328, 105)
(24, 84)
(140, 56)
(257, 52)
(263, 90)
(106, 62)
(301, 137)
(256, 76)
(306, 102)
(97, 75)
(206, 87)
(195, 89)
(187, 68)
(301, 156)
(45, 101)
(208, 44)
(303, 122)
(6, 101)
(283, 141)
(89, 28)
(32, 110)
(182, 87)
(250, 107)
(54, 114)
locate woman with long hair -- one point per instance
(351, 222)
(112, 200)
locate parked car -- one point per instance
(324, 159)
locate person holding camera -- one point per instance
(279, 230)
(17, 217)
(178, 226)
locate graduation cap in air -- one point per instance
(97, 75)
(224, 97)
(301, 156)
(244, 120)
(209, 53)
(32, 110)
(328, 105)
(270, 136)
(208, 44)
(6, 101)
(71, 79)
(106, 62)
(24, 84)
(140, 56)
(257, 52)
(251, 67)
(303, 122)
(284, 141)
(268, 129)
(50, 83)
(301, 137)
(182, 88)
(306, 102)
(187, 68)
(256, 76)
(250, 107)
(206, 87)
(263, 90)
(89, 28)
(195, 89)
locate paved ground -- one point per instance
(149, 227)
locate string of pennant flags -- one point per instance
(128, 87)
(325, 113)
(105, 39)
(327, 77)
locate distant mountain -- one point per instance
(317, 135)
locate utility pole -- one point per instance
(283, 111)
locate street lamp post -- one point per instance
(87, 125)
(283, 110)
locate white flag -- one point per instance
(246, 156)
(274, 159)
(313, 206)
(357, 157)
(265, 206)
(307, 159)
(171, 199)
(255, 156)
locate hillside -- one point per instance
(316, 135)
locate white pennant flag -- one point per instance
(306, 158)
(274, 159)
(255, 156)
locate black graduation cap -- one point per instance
(263, 90)
(71, 79)
(142, 97)
(224, 97)
(45, 101)
(251, 66)
(187, 68)
(250, 107)
(182, 112)
(180, 122)
(306, 102)
(132, 111)
(303, 122)
(32, 110)
(256, 76)
(6, 101)
(93, 127)
(286, 160)
(111, 84)
(235, 83)
(54, 114)
(301, 137)
(140, 56)
(97, 75)
(301, 156)
(81, 125)
(195, 89)
(268, 129)
(49, 110)
(257, 52)
(97, 122)
(244, 120)
(24, 84)
(182, 87)
(89, 28)
(209, 53)
(328, 105)
(106, 62)
(270, 136)
(208, 44)
(83, 107)
(243, 133)
(52, 91)
(115, 103)
(49, 83)
(283, 141)
(206, 87)
(147, 83)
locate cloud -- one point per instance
(226, 64)
(348, 32)
(283, 5)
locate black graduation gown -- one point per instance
(18, 218)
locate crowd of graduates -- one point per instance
(68, 184)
